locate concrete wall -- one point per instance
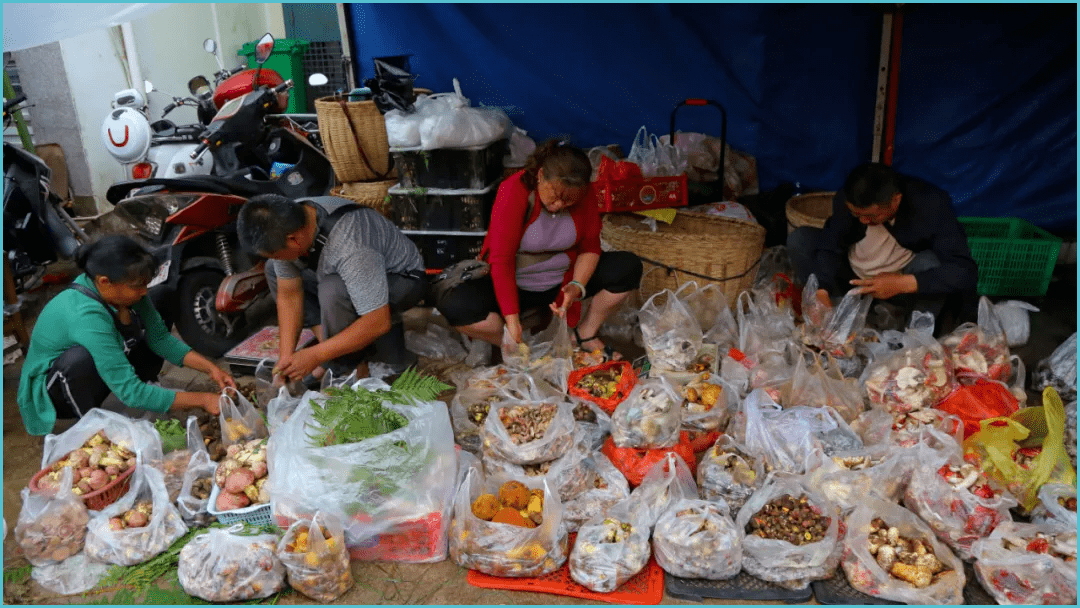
(72, 82)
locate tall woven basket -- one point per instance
(695, 247)
(808, 210)
(342, 126)
(368, 194)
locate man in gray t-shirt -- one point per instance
(347, 262)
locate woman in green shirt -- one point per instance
(103, 335)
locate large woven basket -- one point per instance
(368, 194)
(695, 247)
(809, 210)
(339, 140)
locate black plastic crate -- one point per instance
(442, 209)
(837, 590)
(441, 250)
(473, 168)
(742, 587)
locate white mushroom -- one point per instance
(909, 377)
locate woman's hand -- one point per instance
(513, 326)
(209, 402)
(571, 292)
(222, 377)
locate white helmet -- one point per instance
(126, 134)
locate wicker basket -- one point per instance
(809, 210)
(340, 133)
(368, 194)
(695, 247)
(98, 499)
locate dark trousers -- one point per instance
(75, 387)
(472, 301)
(327, 302)
(949, 310)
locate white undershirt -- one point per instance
(877, 253)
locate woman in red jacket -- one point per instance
(543, 244)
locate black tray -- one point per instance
(973, 592)
(742, 587)
(837, 590)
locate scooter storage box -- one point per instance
(441, 209)
(441, 250)
(472, 168)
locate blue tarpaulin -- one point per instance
(986, 97)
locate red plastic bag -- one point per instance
(626, 384)
(634, 463)
(701, 440)
(618, 170)
(973, 403)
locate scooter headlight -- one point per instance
(150, 212)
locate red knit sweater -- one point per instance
(508, 224)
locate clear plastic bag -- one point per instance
(785, 440)
(51, 528)
(200, 474)
(1054, 502)
(224, 565)
(605, 488)
(315, 559)
(372, 485)
(279, 400)
(815, 385)
(240, 421)
(957, 515)
(544, 431)
(137, 436)
(456, 125)
(1026, 564)
(847, 478)
(650, 417)
(470, 407)
(1059, 370)
(504, 549)
(74, 575)
(698, 539)
(610, 549)
(435, 342)
(567, 475)
(833, 330)
(667, 481)
(979, 350)
(937, 580)
(590, 419)
(672, 336)
(766, 329)
(779, 561)
(912, 379)
(710, 308)
(110, 540)
(709, 404)
(728, 472)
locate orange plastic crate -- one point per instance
(413, 541)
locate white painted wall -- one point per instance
(169, 51)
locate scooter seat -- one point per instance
(214, 184)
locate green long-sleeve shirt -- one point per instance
(73, 318)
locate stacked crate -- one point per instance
(444, 197)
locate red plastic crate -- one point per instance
(413, 541)
(638, 194)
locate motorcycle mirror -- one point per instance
(317, 79)
(209, 45)
(263, 48)
(198, 85)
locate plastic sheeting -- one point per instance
(987, 93)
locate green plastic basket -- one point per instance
(1015, 257)
(287, 59)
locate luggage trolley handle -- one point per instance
(723, 125)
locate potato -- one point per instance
(238, 480)
(227, 501)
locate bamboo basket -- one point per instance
(694, 247)
(368, 194)
(340, 142)
(809, 210)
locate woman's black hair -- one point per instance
(560, 161)
(119, 258)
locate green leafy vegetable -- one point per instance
(173, 435)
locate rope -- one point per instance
(672, 269)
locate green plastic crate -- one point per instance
(287, 60)
(1015, 257)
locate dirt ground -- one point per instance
(376, 583)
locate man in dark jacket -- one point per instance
(896, 238)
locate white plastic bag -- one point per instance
(650, 417)
(372, 485)
(666, 482)
(435, 342)
(610, 549)
(521, 146)
(316, 562)
(453, 124)
(698, 539)
(1054, 502)
(728, 472)
(108, 540)
(1012, 566)
(225, 565)
(672, 336)
(1059, 370)
(520, 443)
(137, 436)
(239, 419)
(52, 528)
(606, 487)
(1013, 315)
(567, 475)
(74, 575)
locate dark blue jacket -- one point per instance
(925, 220)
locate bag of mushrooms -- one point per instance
(139, 526)
(51, 528)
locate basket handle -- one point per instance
(356, 139)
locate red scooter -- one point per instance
(190, 223)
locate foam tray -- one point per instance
(741, 587)
(837, 590)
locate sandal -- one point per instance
(609, 353)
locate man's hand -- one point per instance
(886, 285)
(300, 364)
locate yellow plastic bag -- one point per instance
(993, 448)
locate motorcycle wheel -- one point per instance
(198, 323)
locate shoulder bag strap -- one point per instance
(136, 321)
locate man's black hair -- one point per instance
(265, 222)
(871, 184)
